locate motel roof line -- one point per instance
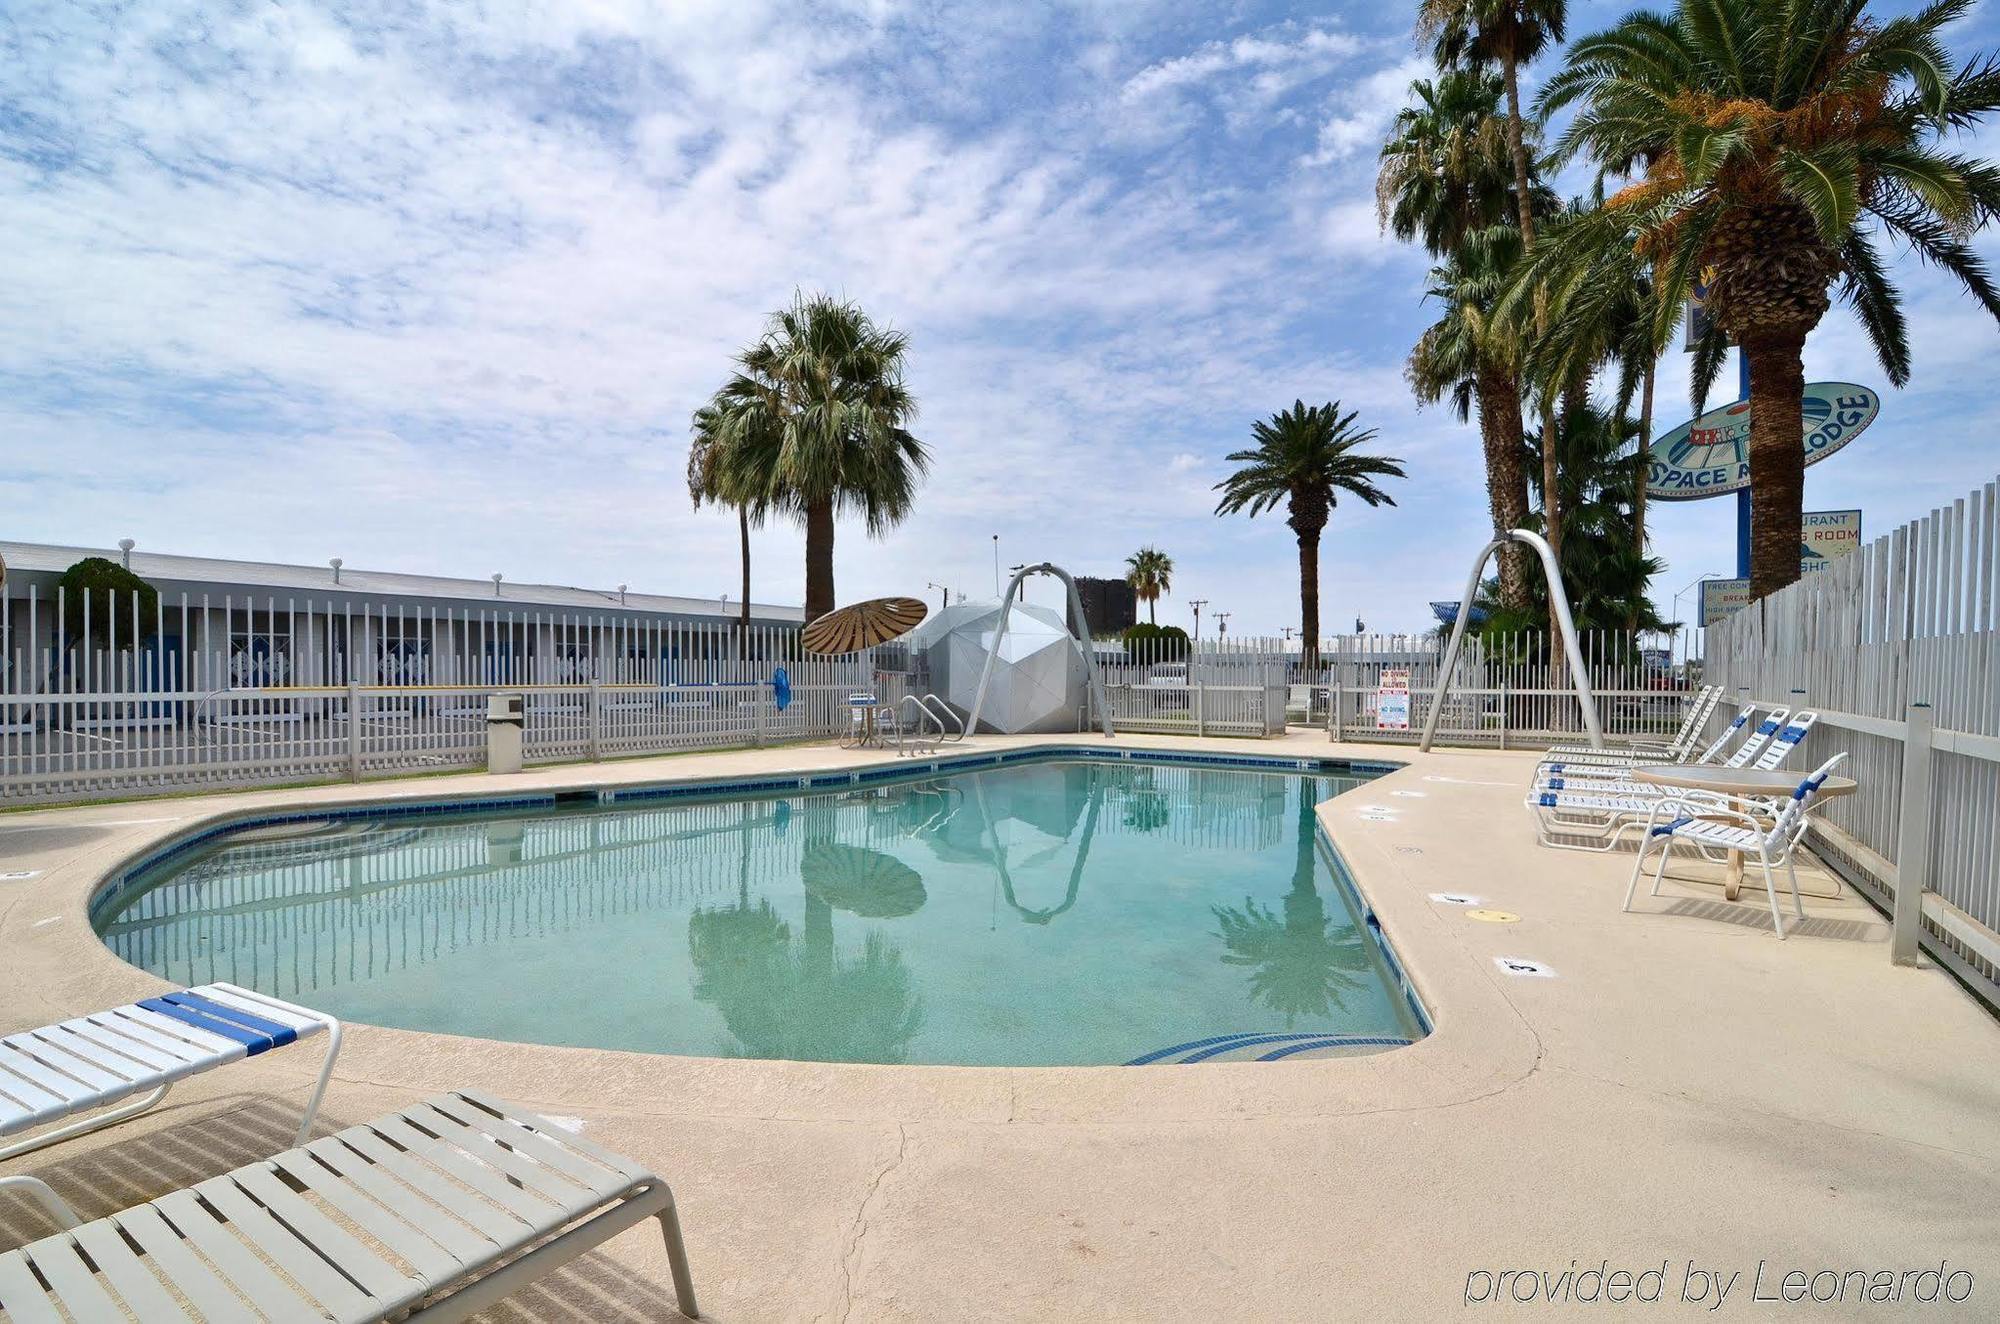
(39, 562)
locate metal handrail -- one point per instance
(931, 703)
(924, 715)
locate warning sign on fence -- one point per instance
(1392, 700)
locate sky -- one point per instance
(435, 287)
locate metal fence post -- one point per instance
(1200, 710)
(353, 731)
(757, 722)
(1503, 714)
(1913, 835)
(596, 701)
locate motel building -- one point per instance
(229, 625)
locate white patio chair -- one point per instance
(141, 1049)
(1614, 762)
(1736, 823)
(1701, 705)
(1595, 813)
(454, 1204)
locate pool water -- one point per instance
(1060, 911)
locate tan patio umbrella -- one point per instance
(862, 625)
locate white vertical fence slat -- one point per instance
(1910, 620)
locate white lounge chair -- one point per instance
(1595, 814)
(433, 1213)
(1614, 764)
(1735, 823)
(141, 1049)
(1701, 705)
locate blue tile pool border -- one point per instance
(115, 884)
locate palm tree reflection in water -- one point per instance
(803, 1000)
(1303, 963)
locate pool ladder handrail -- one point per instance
(891, 719)
(939, 709)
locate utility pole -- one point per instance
(1221, 623)
(1197, 604)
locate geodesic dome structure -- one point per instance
(1038, 680)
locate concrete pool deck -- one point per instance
(1685, 1089)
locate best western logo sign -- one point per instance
(1710, 455)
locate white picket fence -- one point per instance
(227, 692)
(1897, 647)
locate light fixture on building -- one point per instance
(335, 563)
(496, 583)
(125, 546)
(621, 595)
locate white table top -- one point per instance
(1735, 781)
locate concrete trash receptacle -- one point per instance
(506, 715)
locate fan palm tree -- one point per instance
(1150, 572)
(1473, 359)
(707, 481)
(1606, 574)
(1446, 179)
(1507, 33)
(1446, 169)
(818, 421)
(1773, 144)
(1305, 457)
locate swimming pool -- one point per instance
(1050, 910)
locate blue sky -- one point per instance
(435, 287)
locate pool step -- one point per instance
(1268, 1047)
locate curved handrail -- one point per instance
(924, 716)
(932, 704)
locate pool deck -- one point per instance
(1686, 1089)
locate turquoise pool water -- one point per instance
(1059, 911)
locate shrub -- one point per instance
(111, 590)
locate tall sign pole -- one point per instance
(1743, 493)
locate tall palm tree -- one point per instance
(707, 481)
(1606, 574)
(819, 427)
(1507, 33)
(1473, 358)
(1446, 169)
(1774, 144)
(1150, 572)
(1446, 179)
(1306, 457)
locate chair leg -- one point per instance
(1792, 874)
(1771, 893)
(1659, 874)
(1638, 863)
(311, 1113)
(677, 1260)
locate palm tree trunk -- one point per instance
(1309, 597)
(1525, 210)
(743, 621)
(1153, 610)
(1523, 202)
(1506, 476)
(819, 559)
(1777, 459)
(1642, 463)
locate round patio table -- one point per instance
(1764, 783)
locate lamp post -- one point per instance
(996, 567)
(944, 594)
(1677, 611)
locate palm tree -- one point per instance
(819, 416)
(707, 481)
(1473, 358)
(1446, 179)
(1509, 33)
(1446, 169)
(1773, 144)
(1150, 572)
(1305, 457)
(1606, 574)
